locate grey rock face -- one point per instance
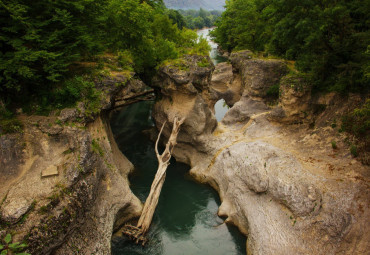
(192, 99)
(258, 75)
(226, 84)
(294, 100)
(277, 199)
(261, 167)
(76, 209)
(243, 110)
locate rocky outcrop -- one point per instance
(294, 100)
(64, 180)
(277, 187)
(226, 84)
(185, 92)
(258, 75)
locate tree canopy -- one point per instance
(328, 39)
(197, 19)
(41, 40)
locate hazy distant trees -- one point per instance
(197, 19)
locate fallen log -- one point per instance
(138, 233)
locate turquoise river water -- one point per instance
(185, 221)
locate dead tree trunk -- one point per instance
(163, 162)
(155, 190)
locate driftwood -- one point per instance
(138, 233)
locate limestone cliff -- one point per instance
(63, 179)
(282, 185)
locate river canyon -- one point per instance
(249, 174)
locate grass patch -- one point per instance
(354, 151)
(179, 63)
(95, 147)
(203, 63)
(334, 145)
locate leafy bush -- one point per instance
(334, 145)
(273, 91)
(201, 47)
(203, 63)
(358, 122)
(354, 151)
(125, 60)
(8, 122)
(12, 248)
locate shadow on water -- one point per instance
(186, 220)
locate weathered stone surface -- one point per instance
(76, 209)
(50, 171)
(190, 76)
(11, 154)
(68, 114)
(295, 99)
(192, 100)
(48, 126)
(273, 193)
(243, 110)
(14, 208)
(258, 75)
(226, 84)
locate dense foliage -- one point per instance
(41, 42)
(328, 39)
(197, 19)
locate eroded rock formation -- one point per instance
(64, 183)
(283, 188)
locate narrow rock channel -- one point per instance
(186, 217)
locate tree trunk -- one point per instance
(163, 162)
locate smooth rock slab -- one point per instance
(51, 171)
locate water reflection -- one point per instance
(186, 220)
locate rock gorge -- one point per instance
(66, 186)
(280, 184)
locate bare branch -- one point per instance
(156, 143)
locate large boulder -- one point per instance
(258, 75)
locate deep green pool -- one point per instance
(186, 220)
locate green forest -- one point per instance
(327, 40)
(43, 43)
(197, 19)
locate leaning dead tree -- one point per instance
(138, 232)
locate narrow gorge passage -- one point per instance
(186, 220)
